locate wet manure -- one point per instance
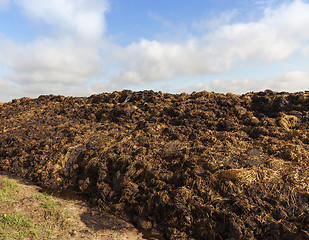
(183, 166)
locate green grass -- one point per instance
(47, 201)
(16, 220)
(16, 226)
(9, 183)
(25, 213)
(8, 190)
(40, 224)
(54, 213)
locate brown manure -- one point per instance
(182, 166)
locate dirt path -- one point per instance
(26, 212)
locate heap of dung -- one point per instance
(184, 166)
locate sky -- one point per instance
(85, 47)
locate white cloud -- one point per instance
(70, 58)
(50, 60)
(305, 51)
(275, 37)
(67, 61)
(9, 90)
(205, 25)
(82, 17)
(159, 19)
(152, 60)
(293, 81)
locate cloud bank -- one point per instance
(76, 57)
(275, 37)
(68, 57)
(82, 18)
(294, 81)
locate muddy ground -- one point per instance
(198, 166)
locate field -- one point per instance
(179, 166)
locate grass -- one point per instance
(54, 214)
(47, 201)
(16, 220)
(8, 191)
(17, 226)
(41, 220)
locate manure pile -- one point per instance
(185, 166)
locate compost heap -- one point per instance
(186, 166)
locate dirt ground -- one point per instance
(183, 166)
(81, 220)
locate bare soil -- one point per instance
(65, 218)
(179, 166)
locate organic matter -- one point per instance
(186, 166)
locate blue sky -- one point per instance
(82, 47)
(152, 19)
